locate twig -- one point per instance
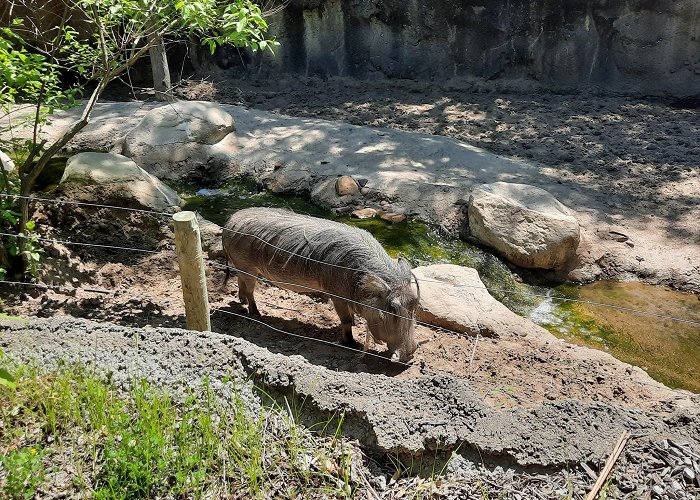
(609, 464)
(471, 360)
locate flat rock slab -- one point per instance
(454, 297)
(424, 415)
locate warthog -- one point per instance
(344, 261)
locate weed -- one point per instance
(142, 442)
(24, 471)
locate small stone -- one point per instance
(365, 191)
(392, 217)
(689, 474)
(658, 490)
(362, 182)
(343, 210)
(346, 185)
(364, 213)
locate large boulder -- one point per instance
(454, 297)
(113, 178)
(525, 224)
(183, 132)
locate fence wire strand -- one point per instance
(322, 341)
(65, 242)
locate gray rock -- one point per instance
(102, 177)
(6, 162)
(185, 131)
(526, 224)
(289, 180)
(325, 194)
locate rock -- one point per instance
(689, 474)
(180, 132)
(6, 162)
(364, 213)
(346, 186)
(526, 224)
(289, 180)
(454, 297)
(362, 182)
(393, 217)
(342, 210)
(365, 191)
(326, 195)
(113, 178)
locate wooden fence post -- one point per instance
(194, 281)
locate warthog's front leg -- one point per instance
(246, 288)
(346, 322)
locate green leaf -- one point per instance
(6, 379)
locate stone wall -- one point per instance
(646, 46)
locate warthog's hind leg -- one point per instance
(246, 287)
(346, 322)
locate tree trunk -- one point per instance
(160, 69)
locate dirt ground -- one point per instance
(650, 149)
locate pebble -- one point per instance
(689, 474)
(346, 185)
(364, 213)
(392, 217)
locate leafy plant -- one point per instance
(6, 379)
(25, 471)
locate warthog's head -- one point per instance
(391, 317)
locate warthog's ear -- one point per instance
(404, 265)
(373, 286)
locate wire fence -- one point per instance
(475, 329)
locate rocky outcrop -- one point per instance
(113, 178)
(526, 224)
(636, 45)
(176, 138)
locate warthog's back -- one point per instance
(281, 244)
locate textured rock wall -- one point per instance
(636, 45)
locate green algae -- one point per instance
(668, 350)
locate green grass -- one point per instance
(143, 443)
